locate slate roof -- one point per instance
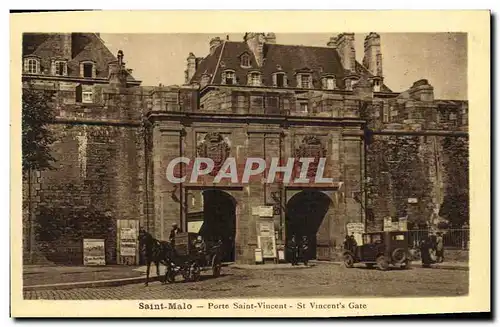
(277, 57)
(84, 46)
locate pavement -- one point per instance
(317, 280)
(69, 277)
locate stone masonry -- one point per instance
(381, 148)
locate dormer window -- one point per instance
(32, 66)
(245, 60)
(329, 83)
(279, 79)
(228, 77)
(59, 68)
(304, 81)
(376, 85)
(254, 79)
(348, 85)
(87, 69)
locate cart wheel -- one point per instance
(170, 276)
(194, 272)
(216, 265)
(382, 262)
(185, 270)
(416, 255)
(407, 264)
(348, 260)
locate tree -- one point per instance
(36, 137)
(455, 206)
(36, 141)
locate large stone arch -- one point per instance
(308, 213)
(218, 211)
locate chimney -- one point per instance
(271, 38)
(421, 90)
(372, 59)
(255, 42)
(191, 67)
(346, 50)
(117, 72)
(332, 43)
(66, 46)
(214, 43)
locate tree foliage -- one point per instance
(455, 206)
(36, 136)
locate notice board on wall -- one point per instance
(266, 239)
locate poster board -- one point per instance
(127, 242)
(357, 229)
(403, 224)
(263, 211)
(266, 240)
(94, 253)
(387, 224)
(194, 226)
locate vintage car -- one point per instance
(380, 248)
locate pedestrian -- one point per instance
(425, 252)
(439, 248)
(354, 244)
(293, 248)
(304, 250)
(175, 230)
(347, 243)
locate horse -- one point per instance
(155, 251)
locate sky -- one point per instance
(441, 58)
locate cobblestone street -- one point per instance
(322, 280)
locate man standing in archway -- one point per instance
(175, 230)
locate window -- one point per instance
(304, 107)
(245, 60)
(376, 86)
(87, 97)
(229, 78)
(280, 80)
(305, 81)
(31, 66)
(87, 70)
(385, 114)
(330, 83)
(254, 79)
(84, 94)
(60, 68)
(348, 85)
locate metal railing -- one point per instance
(452, 238)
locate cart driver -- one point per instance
(175, 230)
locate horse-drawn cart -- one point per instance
(190, 261)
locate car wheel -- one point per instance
(406, 265)
(348, 260)
(382, 263)
(399, 256)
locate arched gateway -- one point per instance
(219, 220)
(306, 211)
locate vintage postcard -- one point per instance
(181, 166)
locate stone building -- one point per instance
(248, 98)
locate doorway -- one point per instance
(219, 221)
(305, 212)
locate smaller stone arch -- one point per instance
(306, 211)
